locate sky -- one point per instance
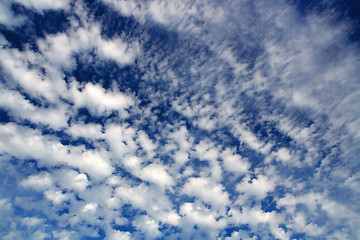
(179, 119)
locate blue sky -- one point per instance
(179, 119)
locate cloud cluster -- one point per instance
(178, 120)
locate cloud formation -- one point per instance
(179, 120)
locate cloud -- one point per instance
(7, 17)
(45, 4)
(91, 130)
(31, 80)
(156, 174)
(205, 219)
(89, 207)
(207, 192)
(149, 226)
(118, 51)
(39, 182)
(97, 100)
(60, 48)
(178, 119)
(115, 234)
(19, 107)
(72, 180)
(56, 197)
(25, 143)
(258, 187)
(233, 162)
(31, 221)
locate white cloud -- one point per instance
(299, 224)
(64, 235)
(7, 17)
(39, 235)
(126, 8)
(5, 205)
(199, 214)
(31, 80)
(283, 154)
(151, 199)
(118, 235)
(98, 100)
(206, 152)
(89, 207)
(90, 130)
(313, 201)
(56, 197)
(181, 157)
(72, 180)
(60, 48)
(240, 235)
(234, 163)
(133, 164)
(118, 51)
(248, 137)
(31, 221)
(255, 217)
(45, 4)
(179, 142)
(114, 180)
(96, 164)
(39, 182)
(171, 13)
(139, 196)
(170, 217)
(57, 49)
(121, 139)
(148, 226)
(258, 187)
(157, 174)
(207, 191)
(182, 138)
(19, 107)
(146, 143)
(24, 143)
